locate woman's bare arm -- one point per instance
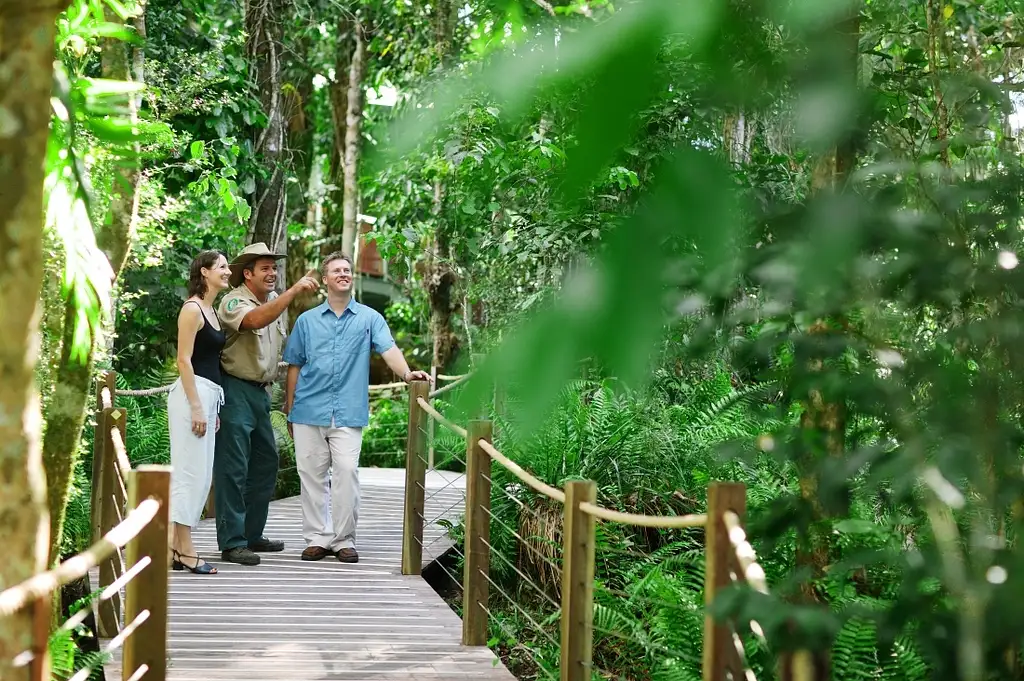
(190, 320)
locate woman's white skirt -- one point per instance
(191, 455)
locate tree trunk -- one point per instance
(933, 12)
(264, 28)
(73, 380)
(300, 139)
(353, 128)
(114, 237)
(26, 73)
(824, 422)
(339, 125)
(738, 136)
(439, 277)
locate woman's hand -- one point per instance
(198, 421)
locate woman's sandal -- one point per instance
(199, 569)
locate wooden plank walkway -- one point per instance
(294, 620)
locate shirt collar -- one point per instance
(352, 307)
(246, 292)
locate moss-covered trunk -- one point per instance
(26, 74)
(439, 278)
(264, 25)
(73, 381)
(65, 415)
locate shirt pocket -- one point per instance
(260, 338)
(341, 345)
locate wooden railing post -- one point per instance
(478, 536)
(477, 361)
(147, 591)
(719, 650)
(110, 506)
(415, 481)
(107, 380)
(430, 425)
(804, 665)
(42, 615)
(578, 542)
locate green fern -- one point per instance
(66, 658)
(857, 654)
(147, 434)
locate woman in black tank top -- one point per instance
(193, 405)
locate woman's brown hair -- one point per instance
(196, 280)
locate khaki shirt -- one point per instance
(252, 354)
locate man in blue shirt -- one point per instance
(328, 405)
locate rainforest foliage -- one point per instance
(768, 242)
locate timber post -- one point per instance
(146, 594)
(415, 481)
(719, 649)
(478, 535)
(578, 546)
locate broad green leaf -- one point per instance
(614, 310)
(856, 526)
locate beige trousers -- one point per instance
(328, 463)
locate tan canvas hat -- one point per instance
(248, 255)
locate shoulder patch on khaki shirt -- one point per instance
(250, 354)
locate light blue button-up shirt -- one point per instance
(333, 352)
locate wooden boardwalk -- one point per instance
(294, 620)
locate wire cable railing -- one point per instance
(584, 610)
(537, 557)
(166, 388)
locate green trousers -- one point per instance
(244, 464)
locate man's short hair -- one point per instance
(331, 257)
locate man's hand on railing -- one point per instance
(417, 375)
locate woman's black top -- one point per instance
(206, 350)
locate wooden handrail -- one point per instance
(746, 557)
(141, 626)
(76, 567)
(143, 534)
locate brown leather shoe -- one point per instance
(348, 556)
(316, 553)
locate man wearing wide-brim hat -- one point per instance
(245, 459)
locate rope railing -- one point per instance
(667, 522)
(164, 389)
(436, 415)
(725, 543)
(728, 554)
(516, 470)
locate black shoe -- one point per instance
(202, 568)
(240, 555)
(265, 545)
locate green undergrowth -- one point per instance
(655, 452)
